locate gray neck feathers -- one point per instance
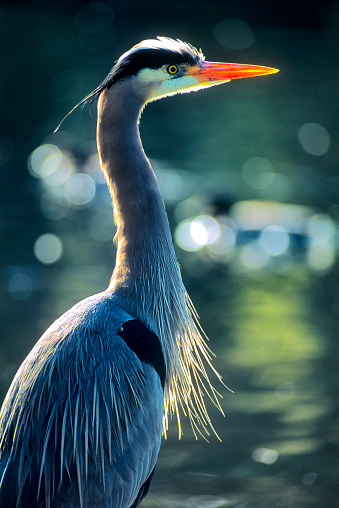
(146, 276)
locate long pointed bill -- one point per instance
(209, 73)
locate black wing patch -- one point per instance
(145, 344)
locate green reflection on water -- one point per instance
(270, 351)
(271, 329)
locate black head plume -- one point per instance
(151, 53)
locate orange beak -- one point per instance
(209, 73)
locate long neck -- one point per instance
(144, 245)
(146, 278)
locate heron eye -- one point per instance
(172, 69)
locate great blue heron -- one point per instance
(82, 422)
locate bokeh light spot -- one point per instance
(314, 138)
(265, 456)
(20, 286)
(183, 237)
(310, 478)
(234, 34)
(258, 173)
(274, 240)
(321, 229)
(61, 175)
(80, 189)
(205, 230)
(44, 160)
(193, 234)
(48, 248)
(198, 233)
(320, 258)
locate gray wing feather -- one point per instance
(72, 428)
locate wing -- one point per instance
(82, 422)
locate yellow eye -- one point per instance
(172, 69)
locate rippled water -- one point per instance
(280, 434)
(276, 346)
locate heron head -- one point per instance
(162, 67)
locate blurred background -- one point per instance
(249, 175)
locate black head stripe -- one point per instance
(151, 54)
(151, 58)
